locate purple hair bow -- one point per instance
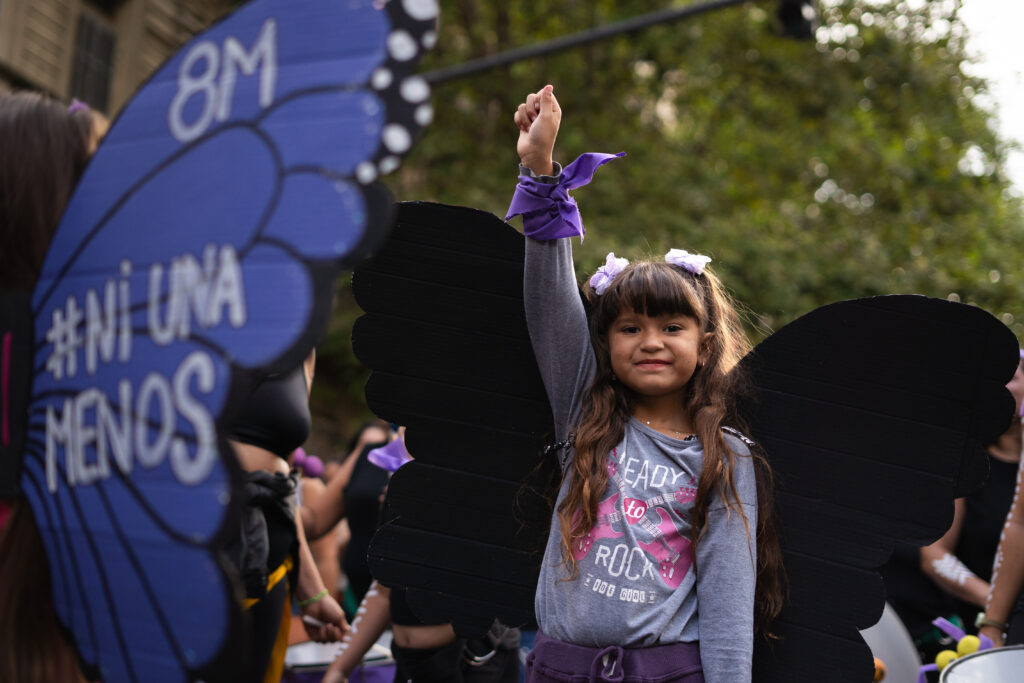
(608, 272)
(390, 457)
(692, 262)
(548, 212)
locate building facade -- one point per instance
(98, 51)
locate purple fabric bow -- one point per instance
(390, 457)
(608, 272)
(692, 262)
(548, 212)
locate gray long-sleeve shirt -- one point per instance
(637, 586)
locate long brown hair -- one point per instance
(32, 648)
(710, 401)
(45, 149)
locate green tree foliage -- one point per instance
(859, 163)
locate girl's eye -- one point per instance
(630, 329)
(674, 328)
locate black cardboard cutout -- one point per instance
(873, 414)
(446, 336)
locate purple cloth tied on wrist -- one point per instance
(548, 212)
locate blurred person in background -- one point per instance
(950, 578)
(1003, 618)
(45, 147)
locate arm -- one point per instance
(325, 548)
(1008, 570)
(558, 328)
(325, 510)
(371, 619)
(310, 586)
(726, 574)
(554, 311)
(323, 513)
(941, 565)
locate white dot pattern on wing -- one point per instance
(366, 172)
(414, 89)
(420, 10)
(401, 46)
(381, 78)
(424, 114)
(396, 138)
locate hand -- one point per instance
(370, 436)
(538, 119)
(326, 610)
(334, 673)
(993, 633)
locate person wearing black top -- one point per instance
(363, 494)
(423, 650)
(1003, 618)
(270, 550)
(353, 493)
(950, 578)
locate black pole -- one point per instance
(574, 40)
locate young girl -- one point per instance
(661, 529)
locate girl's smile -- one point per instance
(653, 364)
(654, 356)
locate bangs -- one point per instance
(652, 289)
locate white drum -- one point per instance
(307, 662)
(1002, 665)
(890, 642)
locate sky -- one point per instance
(994, 37)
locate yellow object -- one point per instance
(879, 670)
(272, 580)
(967, 645)
(943, 659)
(275, 667)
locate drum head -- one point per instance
(1003, 665)
(890, 642)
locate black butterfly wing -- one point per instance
(874, 415)
(445, 335)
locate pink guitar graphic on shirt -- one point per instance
(670, 548)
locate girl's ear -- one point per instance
(705, 347)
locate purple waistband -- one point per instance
(676, 662)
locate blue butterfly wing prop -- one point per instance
(198, 250)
